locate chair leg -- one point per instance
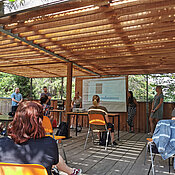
(146, 151)
(152, 161)
(62, 147)
(87, 138)
(169, 163)
(92, 137)
(107, 140)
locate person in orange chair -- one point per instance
(110, 126)
(27, 143)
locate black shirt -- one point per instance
(42, 151)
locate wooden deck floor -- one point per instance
(127, 158)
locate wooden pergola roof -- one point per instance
(100, 37)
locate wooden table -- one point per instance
(59, 111)
(77, 114)
(7, 119)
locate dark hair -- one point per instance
(44, 87)
(130, 99)
(160, 87)
(43, 99)
(95, 100)
(27, 122)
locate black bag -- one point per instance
(62, 130)
(154, 148)
(79, 128)
(103, 138)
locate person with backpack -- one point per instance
(110, 126)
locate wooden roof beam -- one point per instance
(43, 49)
(118, 27)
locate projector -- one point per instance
(79, 110)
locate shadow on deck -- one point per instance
(127, 158)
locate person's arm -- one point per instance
(13, 98)
(158, 106)
(107, 118)
(135, 102)
(152, 109)
(20, 100)
(72, 103)
(49, 98)
(80, 102)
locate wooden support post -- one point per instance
(68, 93)
(62, 86)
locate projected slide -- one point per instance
(112, 93)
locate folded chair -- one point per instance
(151, 146)
(97, 123)
(22, 169)
(49, 132)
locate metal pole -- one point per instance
(147, 106)
(30, 87)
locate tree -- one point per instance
(9, 82)
(137, 84)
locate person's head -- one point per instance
(158, 89)
(27, 122)
(45, 89)
(96, 100)
(43, 99)
(76, 94)
(17, 90)
(130, 94)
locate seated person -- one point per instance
(27, 143)
(43, 101)
(173, 113)
(110, 126)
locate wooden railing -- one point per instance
(5, 105)
(141, 122)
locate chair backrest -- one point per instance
(96, 119)
(97, 116)
(47, 125)
(22, 169)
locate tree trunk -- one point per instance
(1, 8)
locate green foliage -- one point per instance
(137, 84)
(9, 82)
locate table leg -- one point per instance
(76, 125)
(82, 121)
(113, 120)
(60, 117)
(118, 126)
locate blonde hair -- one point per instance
(95, 100)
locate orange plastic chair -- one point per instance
(22, 169)
(97, 123)
(49, 132)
